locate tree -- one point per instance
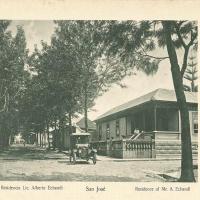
(55, 91)
(191, 75)
(177, 74)
(77, 37)
(132, 42)
(13, 56)
(69, 74)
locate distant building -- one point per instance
(91, 127)
(91, 124)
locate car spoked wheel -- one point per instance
(94, 159)
(70, 158)
(74, 158)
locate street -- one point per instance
(31, 163)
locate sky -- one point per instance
(137, 85)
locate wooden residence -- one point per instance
(150, 123)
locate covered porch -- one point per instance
(160, 133)
(162, 120)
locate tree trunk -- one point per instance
(70, 123)
(187, 174)
(40, 139)
(192, 84)
(60, 134)
(37, 139)
(48, 135)
(54, 135)
(42, 142)
(86, 109)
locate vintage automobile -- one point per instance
(80, 148)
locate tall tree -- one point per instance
(77, 37)
(177, 74)
(133, 43)
(13, 56)
(56, 87)
(191, 75)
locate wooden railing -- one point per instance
(139, 149)
(143, 147)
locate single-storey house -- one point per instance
(156, 114)
(91, 128)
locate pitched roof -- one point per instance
(91, 124)
(156, 95)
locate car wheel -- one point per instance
(74, 158)
(70, 158)
(94, 159)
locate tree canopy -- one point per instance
(13, 55)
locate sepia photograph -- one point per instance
(99, 100)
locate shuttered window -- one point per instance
(117, 128)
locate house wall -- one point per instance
(112, 125)
(128, 123)
(112, 128)
(94, 135)
(123, 126)
(103, 126)
(167, 120)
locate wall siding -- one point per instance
(112, 124)
(128, 125)
(122, 124)
(125, 125)
(113, 128)
(104, 131)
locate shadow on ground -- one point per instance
(30, 152)
(68, 177)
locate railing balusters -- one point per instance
(125, 148)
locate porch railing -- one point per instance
(126, 148)
(149, 145)
(139, 149)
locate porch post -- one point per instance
(126, 125)
(144, 124)
(155, 118)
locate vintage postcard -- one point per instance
(99, 99)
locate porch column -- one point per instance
(143, 118)
(155, 118)
(126, 125)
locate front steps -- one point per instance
(172, 149)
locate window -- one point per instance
(117, 128)
(100, 131)
(108, 131)
(195, 127)
(195, 122)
